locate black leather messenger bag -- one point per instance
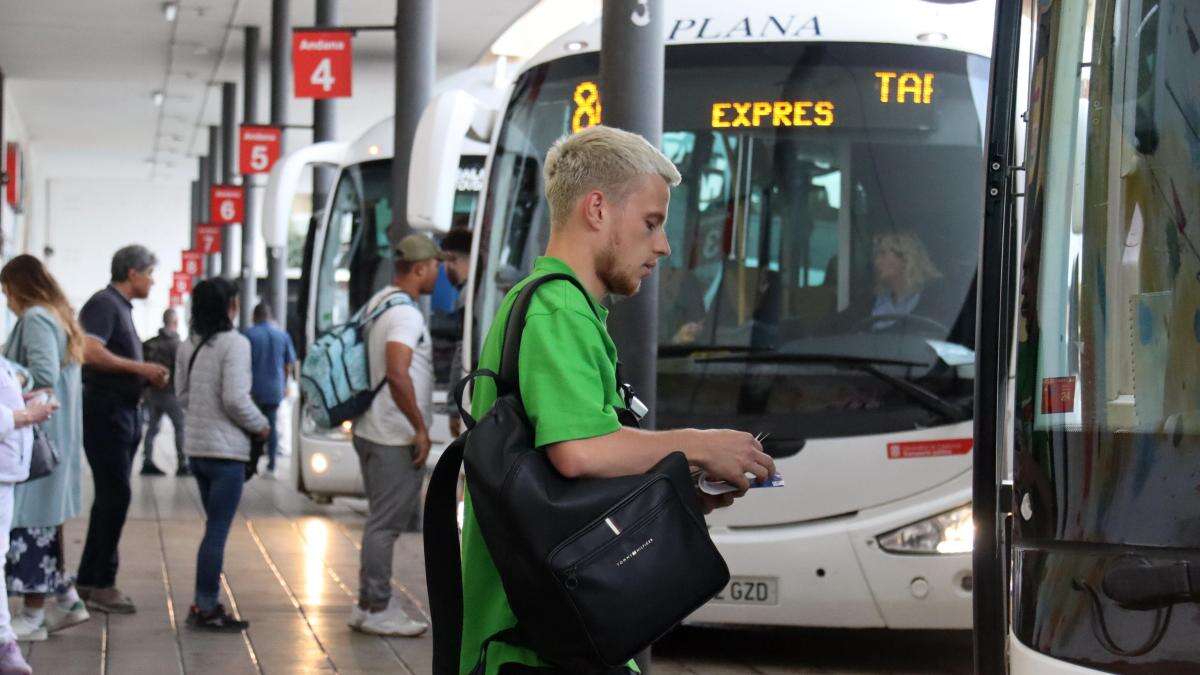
(595, 569)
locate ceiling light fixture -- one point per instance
(933, 37)
(170, 10)
(575, 45)
(158, 98)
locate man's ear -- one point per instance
(595, 208)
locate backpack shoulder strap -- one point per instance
(514, 327)
(443, 559)
(192, 361)
(369, 315)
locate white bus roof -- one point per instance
(962, 26)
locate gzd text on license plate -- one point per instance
(750, 591)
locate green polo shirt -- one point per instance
(569, 388)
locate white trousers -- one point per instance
(6, 516)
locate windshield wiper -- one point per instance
(920, 395)
(669, 351)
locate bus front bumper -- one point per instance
(833, 573)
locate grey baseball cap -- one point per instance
(417, 248)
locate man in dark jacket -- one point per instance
(158, 402)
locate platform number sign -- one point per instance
(192, 262)
(226, 204)
(258, 149)
(176, 299)
(181, 282)
(322, 62)
(208, 239)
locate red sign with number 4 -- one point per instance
(192, 263)
(181, 282)
(321, 64)
(208, 239)
(226, 204)
(259, 149)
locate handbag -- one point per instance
(595, 569)
(43, 455)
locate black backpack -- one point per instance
(595, 570)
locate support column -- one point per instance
(631, 91)
(324, 121)
(416, 33)
(230, 236)
(250, 182)
(281, 42)
(212, 265)
(194, 219)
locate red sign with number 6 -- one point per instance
(193, 263)
(208, 239)
(181, 282)
(259, 149)
(226, 204)
(321, 64)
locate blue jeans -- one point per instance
(269, 409)
(220, 482)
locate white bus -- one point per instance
(347, 255)
(810, 135)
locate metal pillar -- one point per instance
(281, 42)
(195, 204)
(249, 182)
(228, 171)
(324, 120)
(416, 32)
(631, 91)
(212, 262)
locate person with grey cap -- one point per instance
(392, 437)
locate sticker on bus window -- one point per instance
(1058, 395)
(946, 447)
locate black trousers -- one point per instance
(112, 428)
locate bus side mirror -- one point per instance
(436, 151)
(284, 182)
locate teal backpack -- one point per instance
(336, 376)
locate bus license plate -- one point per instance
(750, 591)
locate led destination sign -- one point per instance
(894, 88)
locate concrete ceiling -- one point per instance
(82, 74)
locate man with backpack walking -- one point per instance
(161, 349)
(392, 436)
(608, 192)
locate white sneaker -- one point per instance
(357, 615)
(393, 622)
(28, 629)
(59, 617)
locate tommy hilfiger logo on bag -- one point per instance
(636, 551)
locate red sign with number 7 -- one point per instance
(208, 239)
(321, 64)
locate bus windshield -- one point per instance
(824, 237)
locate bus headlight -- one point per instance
(945, 533)
(318, 462)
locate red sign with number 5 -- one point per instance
(208, 239)
(259, 149)
(321, 64)
(226, 201)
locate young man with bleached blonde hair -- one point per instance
(608, 192)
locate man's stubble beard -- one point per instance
(608, 270)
